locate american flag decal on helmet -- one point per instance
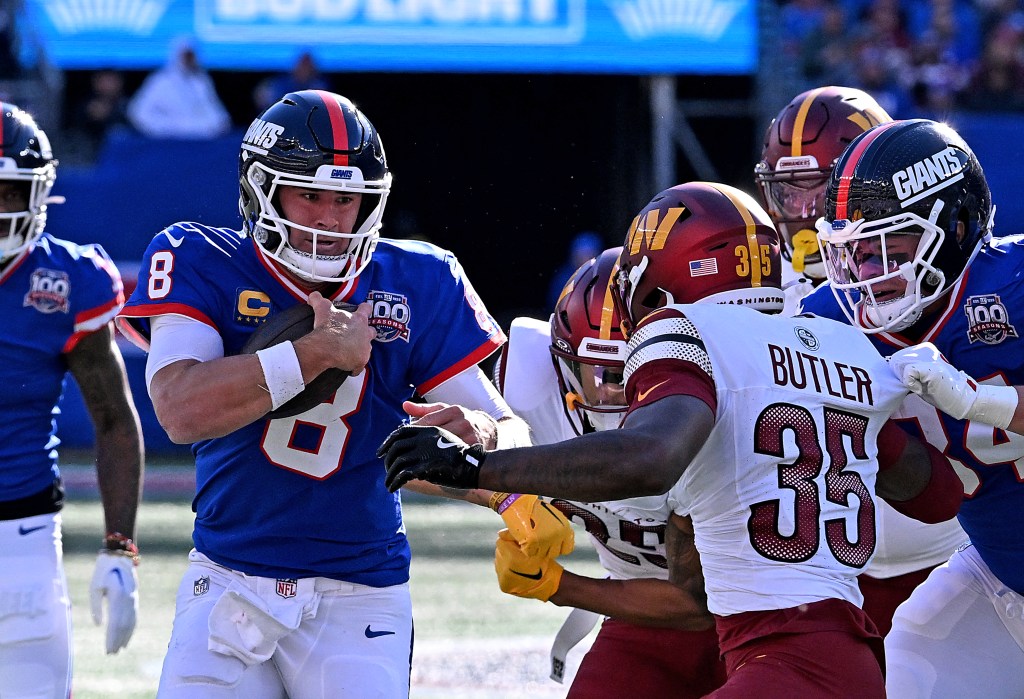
(702, 268)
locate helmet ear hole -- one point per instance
(654, 300)
(564, 316)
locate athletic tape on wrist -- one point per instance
(995, 405)
(509, 435)
(282, 372)
(502, 501)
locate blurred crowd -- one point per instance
(916, 58)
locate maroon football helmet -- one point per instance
(801, 147)
(699, 242)
(588, 348)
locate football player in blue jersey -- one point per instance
(908, 248)
(57, 300)
(801, 147)
(298, 582)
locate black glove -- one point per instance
(431, 454)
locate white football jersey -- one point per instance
(629, 535)
(904, 544)
(781, 494)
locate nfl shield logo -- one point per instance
(287, 587)
(201, 586)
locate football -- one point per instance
(291, 324)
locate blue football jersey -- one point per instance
(304, 496)
(51, 296)
(977, 332)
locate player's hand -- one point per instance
(346, 336)
(431, 454)
(114, 578)
(521, 575)
(924, 370)
(471, 426)
(537, 526)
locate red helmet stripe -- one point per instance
(801, 118)
(338, 126)
(846, 176)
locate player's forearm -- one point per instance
(644, 457)
(202, 400)
(476, 497)
(600, 466)
(642, 601)
(119, 467)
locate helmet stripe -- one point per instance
(801, 118)
(608, 307)
(846, 176)
(751, 232)
(338, 127)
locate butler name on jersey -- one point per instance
(430, 326)
(782, 494)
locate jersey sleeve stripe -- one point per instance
(671, 337)
(474, 357)
(160, 309)
(96, 318)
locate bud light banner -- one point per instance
(564, 36)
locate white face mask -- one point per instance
(271, 225)
(881, 271)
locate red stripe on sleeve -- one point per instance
(337, 125)
(843, 196)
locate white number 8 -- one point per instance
(329, 419)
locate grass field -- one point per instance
(472, 641)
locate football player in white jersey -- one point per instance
(769, 433)
(564, 377)
(801, 147)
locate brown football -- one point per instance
(291, 324)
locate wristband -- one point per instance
(994, 405)
(514, 434)
(121, 545)
(500, 502)
(282, 372)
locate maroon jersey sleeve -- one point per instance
(667, 357)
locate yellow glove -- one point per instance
(538, 527)
(522, 575)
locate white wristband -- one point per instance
(995, 405)
(512, 433)
(282, 372)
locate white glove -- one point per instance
(924, 370)
(115, 579)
